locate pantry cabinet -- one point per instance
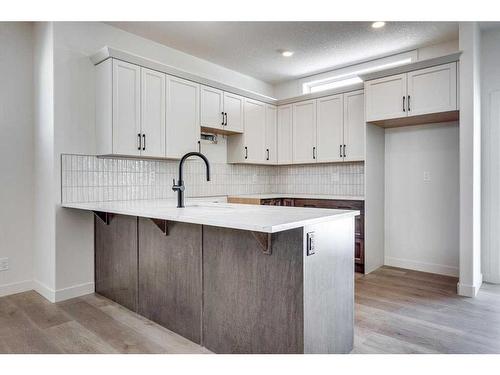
(284, 135)
(420, 92)
(304, 132)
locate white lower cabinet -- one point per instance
(304, 132)
(183, 117)
(330, 128)
(284, 135)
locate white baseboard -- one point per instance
(74, 291)
(13, 288)
(422, 266)
(65, 293)
(469, 290)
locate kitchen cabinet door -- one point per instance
(386, 98)
(126, 108)
(233, 111)
(183, 117)
(255, 130)
(212, 108)
(330, 124)
(354, 126)
(432, 90)
(152, 113)
(304, 132)
(284, 134)
(116, 260)
(271, 131)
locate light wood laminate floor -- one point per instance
(397, 311)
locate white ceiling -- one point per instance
(252, 47)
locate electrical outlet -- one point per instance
(427, 176)
(4, 264)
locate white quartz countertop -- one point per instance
(268, 219)
(299, 196)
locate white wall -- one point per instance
(44, 174)
(490, 118)
(293, 87)
(422, 217)
(16, 155)
(470, 159)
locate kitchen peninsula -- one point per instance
(234, 278)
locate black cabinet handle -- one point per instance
(144, 142)
(340, 150)
(140, 143)
(199, 146)
(222, 113)
(344, 151)
(267, 151)
(404, 110)
(246, 152)
(225, 114)
(409, 103)
(314, 152)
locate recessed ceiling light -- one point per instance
(378, 24)
(287, 53)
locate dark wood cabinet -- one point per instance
(116, 260)
(345, 204)
(170, 285)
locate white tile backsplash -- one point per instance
(89, 178)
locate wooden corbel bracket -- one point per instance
(162, 224)
(264, 240)
(105, 217)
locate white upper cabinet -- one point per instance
(354, 126)
(255, 130)
(271, 134)
(212, 108)
(386, 98)
(233, 113)
(420, 92)
(284, 134)
(152, 113)
(330, 125)
(304, 132)
(126, 127)
(432, 90)
(183, 117)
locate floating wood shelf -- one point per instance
(418, 120)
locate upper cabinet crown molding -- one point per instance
(441, 60)
(110, 52)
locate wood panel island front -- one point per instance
(233, 278)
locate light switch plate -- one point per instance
(4, 264)
(311, 248)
